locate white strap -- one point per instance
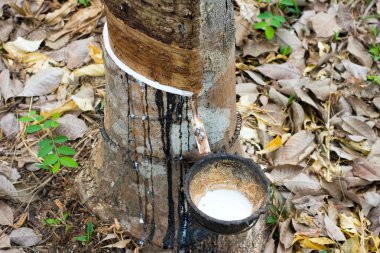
(136, 75)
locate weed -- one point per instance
(289, 7)
(85, 3)
(336, 37)
(52, 150)
(87, 237)
(269, 24)
(375, 51)
(375, 79)
(285, 50)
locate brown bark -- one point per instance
(137, 171)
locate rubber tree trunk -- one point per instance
(137, 169)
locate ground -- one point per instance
(308, 89)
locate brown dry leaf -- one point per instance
(279, 71)
(119, 245)
(361, 107)
(359, 52)
(288, 38)
(282, 172)
(248, 93)
(248, 9)
(42, 83)
(366, 170)
(311, 204)
(9, 124)
(356, 70)
(319, 243)
(370, 199)
(9, 88)
(5, 241)
(333, 230)
(357, 127)
(242, 30)
(286, 235)
(9, 172)
(374, 155)
(322, 89)
(84, 98)
(68, 106)
(324, 25)
(57, 16)
(6, 28)
(303, 183)
(6, 214)
(77, 52)
(270, 246)
(12, 251)
(297, 116)
(296, 148)
(25, 237)
(257, 48)
(21, 220)
(71, 126)
(94, 70)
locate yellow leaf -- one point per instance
(96, 53)
(21, 46)
(95, 70)
(318, 243)
(352, 245)
(68, 106)
(275, 144)
(347, 223)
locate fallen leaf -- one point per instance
(362, 108)
(374, 155)
(352, 245)
(282, 172)
(275, 144)
(5, 241)
(370, 199)
(344, 18)
(6, 27)
(66, 107)
(297, 116)
(21, 46)
(9, 88)
(322, 89)
(57, 16)
(71, 126)
(359, 52)
(356, 70)
(7, 189)
(302, 183)
(248, 9)
(77, 52)
(84, 98)
(364, 169)
(9, 125)
(257, 48)
(270, 246)
(12, 251)
(119, 245)
(333, 230)
(6, 214)
(21, 220)
(288, 38)
(96, 53)
(42, 83)
(279, 71)
(311, 204)
(25, 237)
(296, 148)
(94, 70)
(286, 235)
(357, 127)
(9, 172)
(242, 30)
(348, 223)
(324, 25)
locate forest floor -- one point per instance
(308, 89)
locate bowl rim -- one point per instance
(251, 164)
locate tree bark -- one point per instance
(137, 170)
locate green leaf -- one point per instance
(271, 219)
(50, 159)
(81, 238)
(61, 139)
(44, 150)
(43, 166)
(47, 123)
(65, 150)
(56, 167)
(26, 119)
(287, 2)
(265, 15)
(65, 215)
(285, 50)
(55, 124)
(276, 21)
(68, 162)
(85, 3)
(33, 129)
(269, 32)
(89, 230)
(40, 118)
(32, 113)
(55, 116)
(261, 25)
(52, 221)
(44, 142)
(280, 19)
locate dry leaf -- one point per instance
(362, 108)
(279, 71)
(324, 25)
(119, 245)
(352, 245)
(288, 38)
(348, 223)
(21, 46)
(366, 170)
(374, 155)
(95, 70)
(71, 126)
(303, 183)
(242, 30)
(6, 28)
(357, 127)
(5, 241)
(275, 144)
(25, 237)
(7, 189)
(333, 230)
(84, 98)
(296, 148)
(42, 83)
(6, 214)
(311, 204)
(9, 172)
(9, 124)
(9, 88)
(286, 235)
(77, 52)
(257, 48)
(369, 200)
(21, 220)
(282, 172)
(359, 52)
(57, 16)
(96, 53)
(356, 70)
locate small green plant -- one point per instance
(285, 50)
(375, 51)
(85, 3)
(374, 31)
(336, 37)
(276, 208)
(87, 237)
(289, 7)
(52, 150)
(269, 24)
(375, 79)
